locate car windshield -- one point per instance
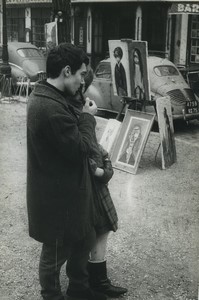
(103, 71)
(29, 52)
(165, 71)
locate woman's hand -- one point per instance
(99, 172)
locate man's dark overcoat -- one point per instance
(59, 190)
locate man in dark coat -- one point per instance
(60, 202)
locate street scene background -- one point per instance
(154, 253)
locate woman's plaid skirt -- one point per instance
(108, 219)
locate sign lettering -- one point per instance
(187, 8)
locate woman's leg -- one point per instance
(98, 271)
(98, 252)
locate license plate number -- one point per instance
(192, 107)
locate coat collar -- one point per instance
(46, 91)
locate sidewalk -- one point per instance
(153, 253)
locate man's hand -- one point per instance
(90, 106)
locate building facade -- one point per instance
(26, 19)
(170, 28)
(1, 22)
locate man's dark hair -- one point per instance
(118, 52)
(62, 55)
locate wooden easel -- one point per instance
(135, 104)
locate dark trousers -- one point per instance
(54, 256)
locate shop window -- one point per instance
(16, 24)
(39, 17)
(194, 56)
(97, 34)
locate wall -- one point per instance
(1, 22)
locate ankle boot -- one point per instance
(99, 281)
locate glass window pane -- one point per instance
(165, 71)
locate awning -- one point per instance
(185, 8)
(105, 1)
(27, 1)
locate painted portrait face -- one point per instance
(134, 134)
(118, 53)
(136, 57)
(118, 59)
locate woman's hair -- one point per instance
(118, 52)
(88, 79)
(137, 51)
(62, 55)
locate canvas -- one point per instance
(51, 35)
(110, 134)
(139, 76)
(165, 123)
(131, 141)
(120, 71)
(129, 69)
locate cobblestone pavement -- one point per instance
(154, 253)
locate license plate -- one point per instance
(192, 107)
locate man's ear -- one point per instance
(67, 71)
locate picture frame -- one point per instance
(139, 74)
(109, 135)
(120, 68)
(129, 68)
(166, 130)
(131, 140)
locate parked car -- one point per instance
(26, 61)
(191, 76)
(165, 80)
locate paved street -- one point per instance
(154, 253)
(188, 133)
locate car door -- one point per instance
(102, 82)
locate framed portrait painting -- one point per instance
(166, 129)
(139, 75)
(129, 68)
(110, 134)
(131, 140)
(119, 57)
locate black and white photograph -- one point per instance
(99, 139)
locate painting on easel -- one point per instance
(129, 68)
(140, 85)
(120, 71)
(165, 123)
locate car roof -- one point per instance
(105, 60)
(159, 61)
(152, 61)
(17, 45)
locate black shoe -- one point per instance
(87, 294)
(109, 289)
